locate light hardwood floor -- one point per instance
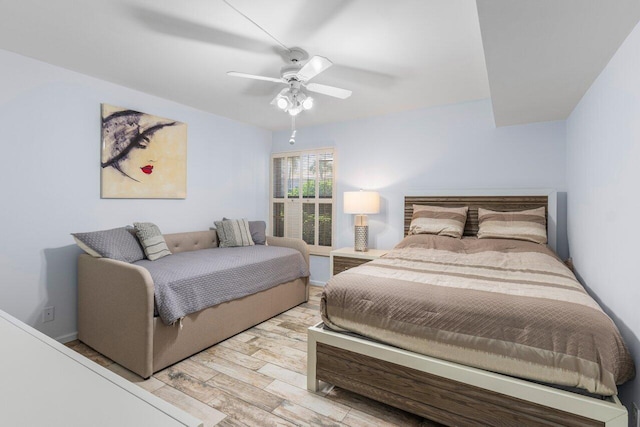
(257, 378)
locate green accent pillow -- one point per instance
(152, 240)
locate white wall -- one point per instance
(50, 174)
(603, 176)
(452, 147)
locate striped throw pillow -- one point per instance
(438, 220)
(234, 232)
(530, 225)
(151, 240)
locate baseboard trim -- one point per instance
(317, 283)
(67, 338)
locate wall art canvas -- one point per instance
(143, 156)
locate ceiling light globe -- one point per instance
(294, 111)
(282, 103)
(307, 104)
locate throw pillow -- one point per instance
(234, 232)
(118, 243)
(258, 231)
(152, 240)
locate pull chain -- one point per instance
(292, 140)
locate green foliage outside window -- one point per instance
(309, 189)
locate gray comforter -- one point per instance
(191, 281)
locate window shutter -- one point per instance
(302, 197)
(293, 219)
(325, 220)
(279, 178)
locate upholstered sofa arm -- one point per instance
(115, 311)
(287, 242)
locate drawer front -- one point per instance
(342, 263)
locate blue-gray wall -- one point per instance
(603, 180)
(455, 147)
(50, 174)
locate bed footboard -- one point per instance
(446, 392)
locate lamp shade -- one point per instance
(361, 202)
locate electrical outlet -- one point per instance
(48, 314)
(636, 414)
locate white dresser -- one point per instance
(43, 383)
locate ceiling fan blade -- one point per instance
(313, 67)
(329, 90)
(253, 76)
(187, 29)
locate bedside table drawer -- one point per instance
(346, 258)
(342, 263)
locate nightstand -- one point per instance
(343, 259)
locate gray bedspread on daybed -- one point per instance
(187, 282)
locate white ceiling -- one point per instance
(394, 55)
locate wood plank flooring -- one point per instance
(257, 378)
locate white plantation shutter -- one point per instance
(302, 194)
(293, 219)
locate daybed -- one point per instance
(116, 308)
(443, 327)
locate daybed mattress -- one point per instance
(502, 305)
(188, 282)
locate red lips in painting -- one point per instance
(147, 169)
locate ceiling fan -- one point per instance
(296, 75)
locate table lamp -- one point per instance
(361, 203)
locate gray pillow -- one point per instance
(152, 240)
(234, 232)
(118, 243)
(258, 230)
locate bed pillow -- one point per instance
(258, 231)
(118, 243)
(234, 232)
(152, 240)
(438, 220)
(529, 225)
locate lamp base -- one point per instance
(362, 237)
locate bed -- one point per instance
(431, 375)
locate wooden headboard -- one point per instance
(495, 203)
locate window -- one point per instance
(302, 194)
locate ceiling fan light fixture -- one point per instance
(294, 111)
(282, 103)
(307, 104)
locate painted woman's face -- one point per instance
(143, 160)
(142, 155)
(132, 144)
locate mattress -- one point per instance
(505, 306)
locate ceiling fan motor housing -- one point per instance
(290, 71)
(297, 55)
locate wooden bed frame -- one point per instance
(446, 392)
